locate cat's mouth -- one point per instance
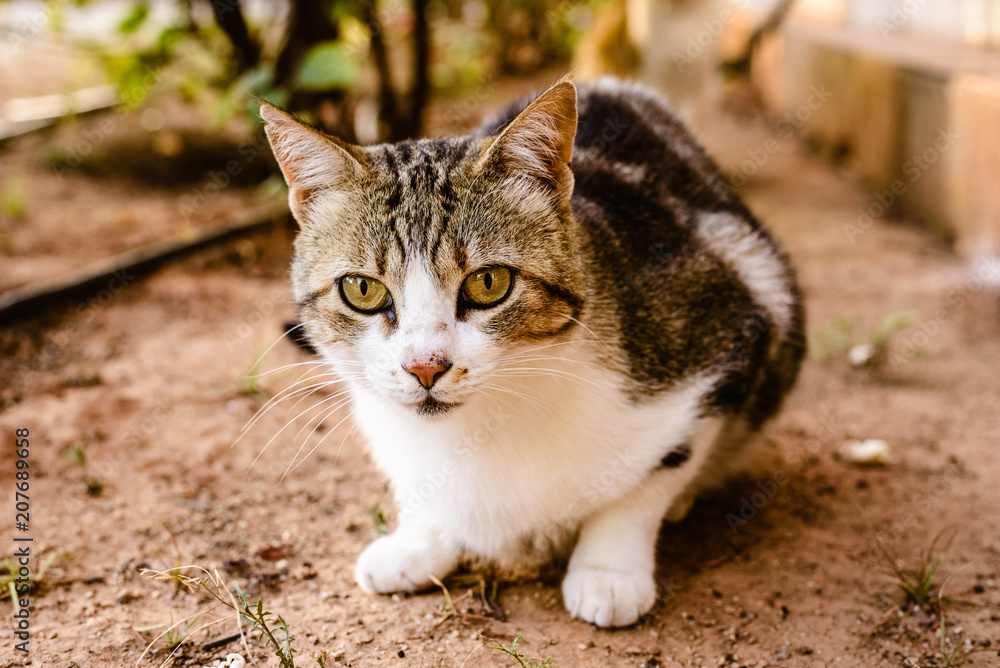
(432, 406)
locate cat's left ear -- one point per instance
(311, 161)
(539, 142)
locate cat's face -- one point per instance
(423, 267)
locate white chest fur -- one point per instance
(511, 474)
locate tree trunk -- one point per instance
(421, 70)
(229, 17)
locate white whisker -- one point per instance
(589, 330)
(287, 393)
(326, 412)
(278, 340)
(332, 429)
(541, 371)
(285, 367)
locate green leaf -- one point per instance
(240, 593)
(135, 19)
(326, 66)
(258, 79)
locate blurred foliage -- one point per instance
(362, 69)
(13, 203)
(842, 332)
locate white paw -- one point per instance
(608, 598)
(396, 563)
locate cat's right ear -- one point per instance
(539, 142)
(311, 161)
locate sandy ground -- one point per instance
(134, 399)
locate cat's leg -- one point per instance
(610, 578)
(406, 559)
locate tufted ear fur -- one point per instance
(311, 161)
(539, 142)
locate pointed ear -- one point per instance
(311, 161)
(539, 142)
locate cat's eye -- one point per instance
(487, 286)
(364, 294)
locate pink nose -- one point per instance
(427, 374)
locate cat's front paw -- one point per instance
(608, 598)
(397, 563)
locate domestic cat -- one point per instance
(556, 330)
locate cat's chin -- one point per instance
(431, 407)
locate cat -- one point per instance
(555, 331)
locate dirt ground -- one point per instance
(134, 399)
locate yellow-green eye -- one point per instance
(365, 294)
(488, 286)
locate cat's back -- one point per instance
(683, 271)
(629, 139)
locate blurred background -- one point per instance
(144, 299)
(174, 83)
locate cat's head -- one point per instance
(421, 266)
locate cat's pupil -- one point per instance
(364, 287)
(488, 280)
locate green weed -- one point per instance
(952, 653)
(512, 651)
(251, 385)
(13, 203)
(918, 584)
(378, 519)
(175, 633)
(834, 338)
(271, 629)
(843, 334)
(9, 577)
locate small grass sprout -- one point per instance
(378, 519)
(953, 652)
(512, 651)
(843, 335)
(251, 385)
(175, 633)
(13, 201)
(9, 576)
(918, 584)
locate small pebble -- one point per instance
(867, 453)
(861, 355)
